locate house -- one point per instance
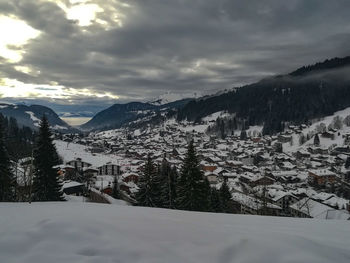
(208, 167)
(212, 177)
(109, 169)
(73, 188)
(282, 199)
(310, 208)
(256, 179)
(254, 206)
(328, 134)
(78, 164)
(130, 177)
(321, 176)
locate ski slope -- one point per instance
(86, 232)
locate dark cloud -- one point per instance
(179, 45)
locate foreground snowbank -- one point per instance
(86, 232)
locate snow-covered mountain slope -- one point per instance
(30, 116)
(172, 97)
(318, 126)
(87, 232)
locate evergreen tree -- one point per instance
(46, 185)
(302, 139)
(168, 184)
(191, 187)
(6, 176)
(316, 140)
(215, 204)
(347, 163)
(225, 196)
(156, 187)
(243, 135)
(115, 190)
(144, 196)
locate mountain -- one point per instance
(30, 116)
(121, 114)
(118, 114)
(307, 93)
(169, 97)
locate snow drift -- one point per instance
(86, 232)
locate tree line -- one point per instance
(163, 186)
(278, 100)
(44, 181)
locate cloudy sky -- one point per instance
(84, 55)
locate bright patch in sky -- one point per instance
(85, 14)
(14, 33)
(11, 88)
(81, 11)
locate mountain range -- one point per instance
(30, 116)
(298, 97)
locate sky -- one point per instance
(85, 55)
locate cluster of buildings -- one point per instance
(266, 174)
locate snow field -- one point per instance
(87, 232)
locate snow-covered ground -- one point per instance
(71, 151)
(87, 232)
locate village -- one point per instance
(282, 175)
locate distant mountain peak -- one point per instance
(171, 97)
(30, 115)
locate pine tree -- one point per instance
(225, 196)
(6, 176)
(144, 196)
(347, 163)
(46, 185)
(243, 135)
(156, 187)
(316, 140)
(115, 190)
(168, 184)
(191, 187)
(215, 204)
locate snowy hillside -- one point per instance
(319, 126)
(171, 97)
(30, 116)
(87, 232)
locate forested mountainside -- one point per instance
(30, 116)
(119, 114)
(18, 140)
(306, 93)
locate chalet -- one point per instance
(310, 208)
(321, 176)
(208, 167)
(109, 169)
(130, 177)
(90, 172)
(328, 135)
(234, 164)
(256, 179)
(282, 199)
(301, 154)
(78, 164)
(73, 188)
(212, 177)
(285, 176)
(254, 206)
(284, 138)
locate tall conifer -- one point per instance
(145, 195)
(191, 187)
(6, 176)
(46, 185)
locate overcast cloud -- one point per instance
(140, 49)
